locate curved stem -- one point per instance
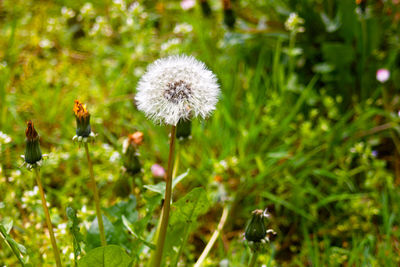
(167, 202)
(214, 237)
(253, 259)
(48, 221)
(96, 198)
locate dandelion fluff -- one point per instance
(175, 88)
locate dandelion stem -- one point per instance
(214, 237)
(167, 202)
(48, 221)
(253, 259)
(96, 198)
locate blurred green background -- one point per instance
(303, 126)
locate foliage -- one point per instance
(302, 127)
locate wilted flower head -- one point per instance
(383, 75)
(33, 154)
(136, 138)
(82, 116)
(177, 87)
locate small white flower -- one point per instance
(175, 88)
(294, 22)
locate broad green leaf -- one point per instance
(184, 214)
(108, 256)
(190, 206)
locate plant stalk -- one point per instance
(96, 198)
(253, 259)
(15, 250)
(48, 220)
(167, 202)
(214, 236)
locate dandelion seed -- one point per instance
(175, 88)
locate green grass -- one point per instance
(297, 141)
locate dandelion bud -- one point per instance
(256, 233)
(205, 8)
(229, 16)
(131, 156)
(256, 230)
(82, 116)
(33, 154)
(183, 129)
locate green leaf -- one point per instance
(108, 256)
(93, 234)
(124, 208)
(8, 224)
(184, 214)
(190, 206)
(160, 187)
(17, 249)
(130, 228)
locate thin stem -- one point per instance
(185, 237)
(15, 250)
(253, 259)
(167, 202)
(96, 198)
(214, 237)
(48, 221)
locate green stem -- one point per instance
(291, 56)
(214, 237)
(96, 198)
(15, 250)
(48, 220)
(167, 202)
(253, 259)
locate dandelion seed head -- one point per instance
(175, 88)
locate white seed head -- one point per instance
(177, 87)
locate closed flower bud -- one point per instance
(82, 116)
(205, 8)
(229, 16)
(256, 234)
(256, 230)
(130, 154)
(183, 129)
(33, 154)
